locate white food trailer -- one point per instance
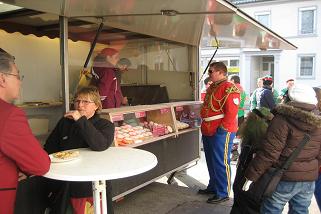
(51, 40)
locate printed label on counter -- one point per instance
(140, 114)
(165, 110)
(118, 117)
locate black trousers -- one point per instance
(37, 193)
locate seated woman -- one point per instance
(79, 128)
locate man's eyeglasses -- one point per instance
(85, 102)
(18, 76)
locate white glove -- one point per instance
(247, 185)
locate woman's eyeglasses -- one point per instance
(85, 102)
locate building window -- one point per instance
(234, 63)
(307, 20)
(306, 66)
(263, 18)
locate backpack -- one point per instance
(252, 132)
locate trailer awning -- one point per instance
(183, 21)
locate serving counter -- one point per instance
(170, 131)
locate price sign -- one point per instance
(179, 108)
(140, 114)
(118, 117)
(165, 110)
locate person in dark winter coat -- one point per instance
(252, 131)
(317, 192)
(264, 95)
(81, 128)
(291, 122)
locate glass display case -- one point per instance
(187, 115)
(139, 125)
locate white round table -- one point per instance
(113, 163)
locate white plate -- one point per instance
(60, 160)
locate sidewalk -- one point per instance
(181, 196)
(178, 198)
(158, 198)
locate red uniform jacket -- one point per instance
(19, 151)
(222, 97)
(109, 87)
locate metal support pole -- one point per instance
(99, 197)
(63, 23)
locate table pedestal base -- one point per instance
(99, 196)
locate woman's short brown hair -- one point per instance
(93, 94)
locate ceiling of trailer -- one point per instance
(184, 21)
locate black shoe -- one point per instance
(205, 191)
(215, 199)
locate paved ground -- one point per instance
(180, 197)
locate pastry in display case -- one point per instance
(187, 115)
(142, 126)
(138, 125)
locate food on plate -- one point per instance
(66, 154)
(181, 125)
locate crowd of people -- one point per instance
(271, 132)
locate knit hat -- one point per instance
(303, 94)
(267, 77)
(109, 52)
(267, 80)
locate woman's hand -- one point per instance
(74, 115)
(22, 176)
(124, 101)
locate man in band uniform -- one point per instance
(219, 125)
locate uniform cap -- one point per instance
(108, 51)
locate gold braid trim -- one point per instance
(221, 102)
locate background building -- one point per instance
(296, 21)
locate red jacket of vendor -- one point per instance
(19, 151)
(220, 107)
(108, 86)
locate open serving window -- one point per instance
(187, 115)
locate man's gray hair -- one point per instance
(6, 61)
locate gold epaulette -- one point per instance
(221, 102)
(232, 89)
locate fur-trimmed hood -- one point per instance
(302, 119)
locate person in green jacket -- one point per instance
(284, 91)
(240, 114)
